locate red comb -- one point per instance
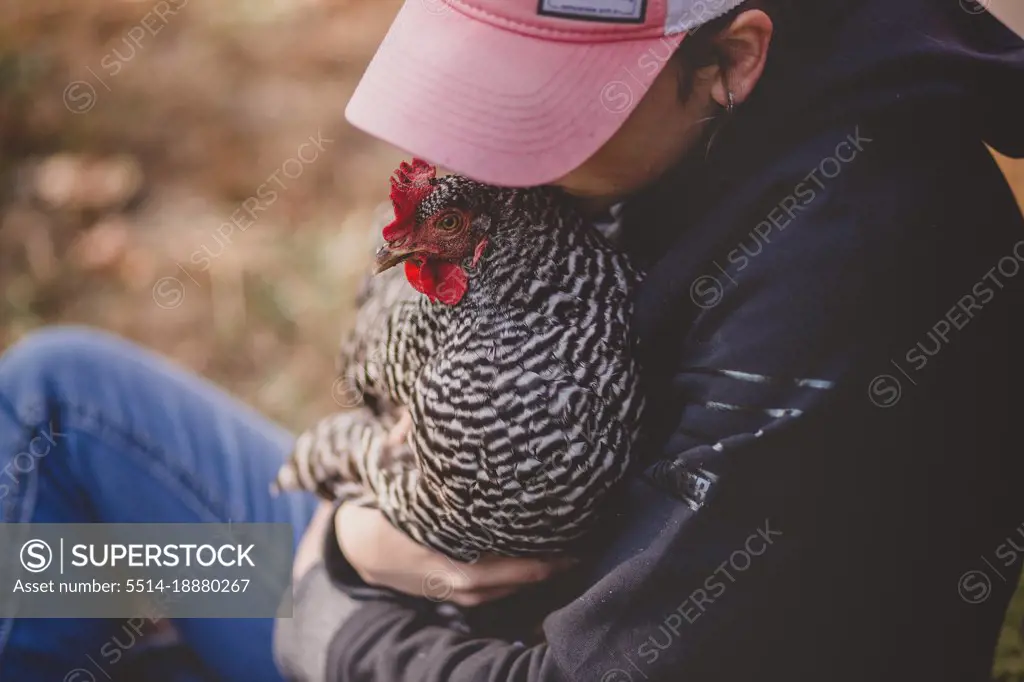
(409, 186)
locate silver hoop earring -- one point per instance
(730, 106)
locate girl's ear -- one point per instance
(743, 47)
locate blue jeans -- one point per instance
(94, 429)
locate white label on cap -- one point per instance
(626, 11)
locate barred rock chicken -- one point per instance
(510, 350)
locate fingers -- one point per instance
(451, 584)
(491, 578)
(492, 571)
(471, 599)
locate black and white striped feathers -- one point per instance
(524, 396)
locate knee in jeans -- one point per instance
(31, 375)
(33, 363)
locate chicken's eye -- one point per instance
(449, 222)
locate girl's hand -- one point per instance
(384, 556)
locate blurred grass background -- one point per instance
(158, 179)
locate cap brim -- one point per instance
(497, 106)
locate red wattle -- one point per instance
(438, 280)
(452, 283)
(414, 272)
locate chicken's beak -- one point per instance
(389, 258)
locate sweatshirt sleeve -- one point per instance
(605, 635)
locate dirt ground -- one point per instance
(180, 172)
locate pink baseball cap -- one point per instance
(517, 92)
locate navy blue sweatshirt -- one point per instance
(833, 477)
